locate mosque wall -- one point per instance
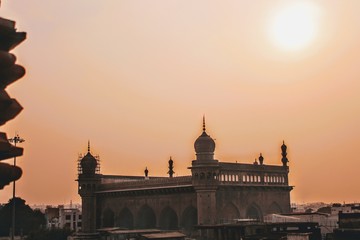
(164, 211)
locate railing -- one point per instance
(250, 174)
(247, 178)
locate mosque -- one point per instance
(215, 192)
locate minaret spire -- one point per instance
(146, 171)
(261, 159)
(204, 128)
(284, 159)
(88, 146)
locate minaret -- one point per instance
(146, 172)
(88, 179)
(284, 159)
(171, 168)
(261, 159)
(205, 170)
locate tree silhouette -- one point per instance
(27, 220)
(49, 234)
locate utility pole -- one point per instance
(16, 139)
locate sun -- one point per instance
(294, 26)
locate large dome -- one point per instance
(204, 144)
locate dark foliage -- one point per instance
(27, 220)
(52, 234)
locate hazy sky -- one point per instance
(135, 78)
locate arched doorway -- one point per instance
(229, 213)
(108, 218)
(189, 218)
(146, 218)
(253, 213)
(125, 219)
(168, 219)
(274, 208)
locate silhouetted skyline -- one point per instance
(136, 77)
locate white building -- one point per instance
(342, 208)
(327, 222)
(61, 217)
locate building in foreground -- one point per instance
(216, 192)
(61, 217)
(248, 230)
(349, 227)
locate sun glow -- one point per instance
(295, 26)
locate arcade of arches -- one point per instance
(169, 219)
(146, 218)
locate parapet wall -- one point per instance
(129, 183)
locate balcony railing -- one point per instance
(251, 174)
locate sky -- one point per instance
(136, 77)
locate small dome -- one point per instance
(88, 164)
(204, 144)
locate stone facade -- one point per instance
(215, 192)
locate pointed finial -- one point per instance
(88, 146)
(261, 159)
(146, 171)
(283, 147)
(204, 128)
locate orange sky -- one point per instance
(135, 77)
